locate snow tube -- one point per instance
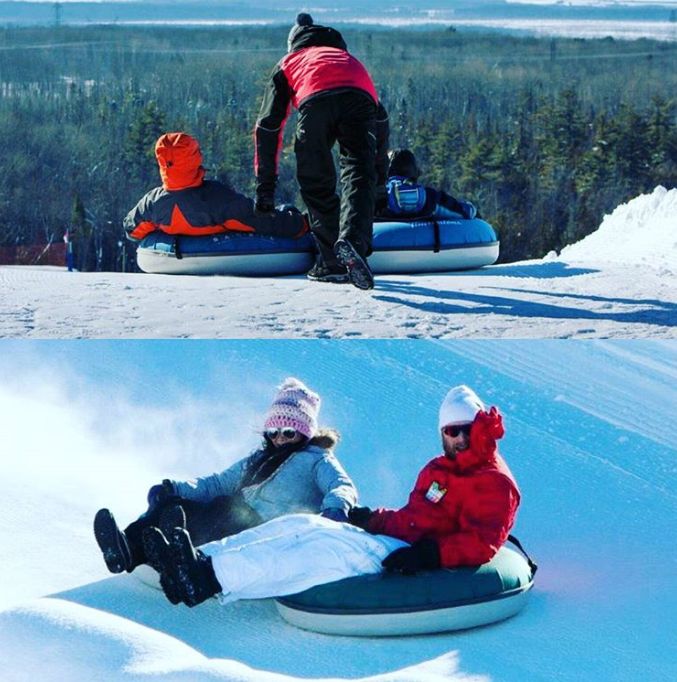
(224, 254)
(399, 247)
(394, 604)
(433, 245)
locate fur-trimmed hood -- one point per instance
(325, 438)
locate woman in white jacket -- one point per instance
(294, 471)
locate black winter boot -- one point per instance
(160, 558)
(194, 570)
(320, 272)
(112, 542)
(358, 269)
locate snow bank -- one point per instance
(642, 231)
(82, 643)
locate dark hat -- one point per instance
(302, 19)
(403, 163)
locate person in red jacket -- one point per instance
(188, 204)
(337, 102)
(464, 502)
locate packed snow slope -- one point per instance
(620, 282)
(590, 438)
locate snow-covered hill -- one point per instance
(590, 438)
(620, 282)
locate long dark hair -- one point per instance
(268, 458)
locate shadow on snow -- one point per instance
(660, 313)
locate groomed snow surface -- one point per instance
(619, 282)
(590, 439)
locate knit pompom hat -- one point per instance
(295, 406)
(302, 19)
(460, 406)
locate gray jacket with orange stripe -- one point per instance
(211, 208)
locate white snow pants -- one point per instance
(292, 553)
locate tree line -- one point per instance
(545, 136)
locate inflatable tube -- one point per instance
(433, 246)
(225, 254)
(393, 604)
(399, 247)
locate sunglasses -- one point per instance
(453, 431)
(286, 432)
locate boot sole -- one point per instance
(333, 279)
(358, 271)
(107, 536)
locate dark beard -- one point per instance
(452, 455)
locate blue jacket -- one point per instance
(310, 480)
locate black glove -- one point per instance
(423, 555)
(264, 205)
(359, 516)
(160, 493)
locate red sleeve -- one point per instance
(484, 523)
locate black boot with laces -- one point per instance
(326, 273)
(194, 571)
(160, 558)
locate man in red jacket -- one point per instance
(464, 502)
(337, 102)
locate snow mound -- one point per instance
(76, 643)
(642, 231)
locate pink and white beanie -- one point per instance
(460, 406)
(295, 406)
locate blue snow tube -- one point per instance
(432, 601)
(399, 247)
(225, 254)
(433, 245)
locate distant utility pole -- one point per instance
(57, 14)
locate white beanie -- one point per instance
(296, 407)
(460, 406)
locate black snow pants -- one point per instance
(349, 118)
(205, 521)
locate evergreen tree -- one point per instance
(139, 155)
(662, 140)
